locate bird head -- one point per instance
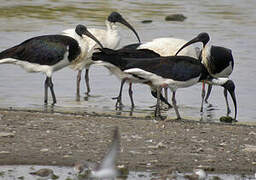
(230, 86)
(82, 30)
(202, 37)
(116, 17)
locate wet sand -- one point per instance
(62, 139)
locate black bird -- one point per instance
(218, 61)
(47, 54)
(110, 59)
(173, 72)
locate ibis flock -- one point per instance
(163, 63)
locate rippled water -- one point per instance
(230, 23)
(67, 173)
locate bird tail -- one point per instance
(107, 56)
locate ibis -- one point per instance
(47, 54)
(218, 61)
(110, 59)
(172, 71)
(109, 38)
(165, 46)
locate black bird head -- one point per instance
(230, 86)
(202, 37)
(116, 17)
(82, 30)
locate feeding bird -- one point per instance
(47, 54)
(218, 61)
(109, 38)
(172, 71)
(44, 174)
(107, 168)
(166, 46)
(110, 59)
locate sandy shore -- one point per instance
(62, 139)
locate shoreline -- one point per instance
(43, 138)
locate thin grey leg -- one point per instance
(166, 93)
(78, 80)
(203, 95)
(175, 105)
(119, 97)
(87, 81)
(157, 110)
(46, 91)
(226, 99)
(131, 94)
(208, 93)
(52, 91)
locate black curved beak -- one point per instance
(230, 86)
(124, 22)
(87, 33)
(195, 40)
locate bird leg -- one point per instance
(87, 81)
(157, 110)
(50, 84)
(208, 93)
(131, 94)
(226, 99)
(119, 97)
(203, 95)
(46, 90)
(78, 80)
(166, 93)
(175, 105)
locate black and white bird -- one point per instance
(110, 59)
(218, 61)
(110, 38)
(165, 46)
(47, 54)
(107, 168)
(172, 71)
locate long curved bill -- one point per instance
(196, 39)
(233, 96)
(124, 22)
(90, 35)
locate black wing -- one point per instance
(132, 46)
(43, 50)
(179, 68)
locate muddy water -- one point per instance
(230, 23)
(67, 173)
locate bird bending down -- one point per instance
(218, 61)
(111, 59)
(173, 72)
(109, 38)
(164, 47)
(47, 54)
(107, 168)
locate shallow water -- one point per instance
(230, 23)
(67, 173)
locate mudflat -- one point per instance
(62, 139)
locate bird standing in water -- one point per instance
(109, 38)
(47, 54)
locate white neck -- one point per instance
(111, 26)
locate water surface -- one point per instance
(230, 23)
